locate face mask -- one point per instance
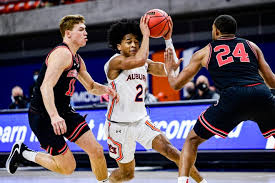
(35, 77)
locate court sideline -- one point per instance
(141, 176)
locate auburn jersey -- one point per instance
(233, 62)
(64, 88)
(130, 86)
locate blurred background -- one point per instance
(29, 30)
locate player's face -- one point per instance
(79, 35)
(129, 45)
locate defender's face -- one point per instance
(129, 45)
(78, 34)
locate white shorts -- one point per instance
(122, 138)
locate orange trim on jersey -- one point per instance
(119, 149)
(152, 126)
(113, 102)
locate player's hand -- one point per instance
(113, 93)
(170, 63)
(59, 125)
(143, 24)
(168, 35)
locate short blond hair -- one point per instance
(68, 22)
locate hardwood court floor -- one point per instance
(144, 176)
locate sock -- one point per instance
(29, 155)
(203, 181)
(183, 179)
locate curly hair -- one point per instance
(119, 29)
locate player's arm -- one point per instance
(156, 68)
(264, 68)
(169, 43)
(91, 86)
(177, 82)
(58, 61)
(126, 63)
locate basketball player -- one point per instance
(127, 121)
(239, 70)
(50, 115)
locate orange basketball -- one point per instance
(158, 22)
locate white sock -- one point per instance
(183, 179)
(203, 181)
(29, 155)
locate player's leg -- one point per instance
(61, 163)
(59, 158)
(164, 147)
(152, 138)
(188, 156)
(95, 152)
(124, 172)
(122, 146)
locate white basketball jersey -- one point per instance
(130, 86)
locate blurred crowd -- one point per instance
(193, 90)
(11, 6)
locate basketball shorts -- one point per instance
(122, 138)
(238, 104)
(40, 124)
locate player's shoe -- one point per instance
(15, 156)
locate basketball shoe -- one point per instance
(15, 157)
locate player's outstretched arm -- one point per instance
(177, 82)
(93, 87)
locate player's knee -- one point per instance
(67, 168)
(97, 152)
(193, 140)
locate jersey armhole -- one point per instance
(253, 50)
(209, 56)
(46, 61)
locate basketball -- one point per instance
(158, 22)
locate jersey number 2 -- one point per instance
(138, 96)
(239, 51)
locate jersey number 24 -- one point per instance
(223, 58)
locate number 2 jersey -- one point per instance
(130, 86)
(233, 62)
(64, 88)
